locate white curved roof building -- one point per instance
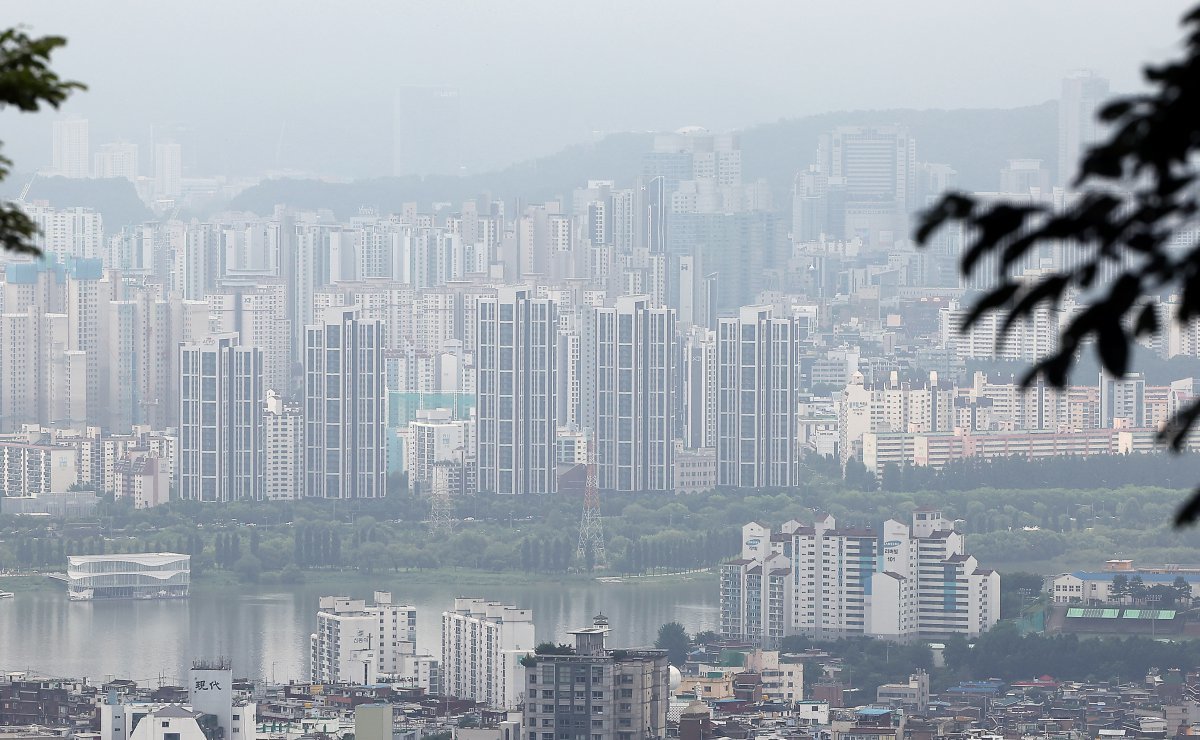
(149, 575)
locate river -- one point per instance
(265, 629)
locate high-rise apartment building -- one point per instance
(1083, 92)
(700, 388)
(258, 312)
(483, 643)
(68, 232)
(597, 692)
(344, 418)
(221, 420)
(356, 641)
(283, 443)
(117, 159)
(71, 150)
(21, 378)
(168, 169)
(757, 383)
(628, 355)
(516, 395)
(1122, 401)
(826, 581)
(863, 185)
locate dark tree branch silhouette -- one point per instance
(1134, 212)
(26, 83)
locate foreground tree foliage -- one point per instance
(1134, 213)
(26, 83)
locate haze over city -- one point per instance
(613, 371)
(307, 85)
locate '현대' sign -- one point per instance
(752, 543)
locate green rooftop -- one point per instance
(1149, 614)
(1079, 613)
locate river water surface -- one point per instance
(265, 629)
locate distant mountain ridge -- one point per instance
(975, 142)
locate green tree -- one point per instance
(673, 638)
(249, 568)
(706, 637)
(26, 83)
(1137, 589)
(1119, 588)
(1137, 198)
(1183, 589)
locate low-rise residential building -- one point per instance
(695, 470)
(596, 692)
(914, 693)
(142, 477)
(30, 470)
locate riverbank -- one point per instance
(26, 583)
(389, 579)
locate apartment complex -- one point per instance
(819, 579)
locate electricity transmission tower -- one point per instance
(440, 515)
(591, 526)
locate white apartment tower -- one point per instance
(168, 170)
(71, 152)
(482, 646)
(356, 641)
(283, 441)
(757, 364)
(69, 232)
(700, 388)
(628, 356)
(344, 419)
(221, 420)
(516, 392)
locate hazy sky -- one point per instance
(308, 83)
